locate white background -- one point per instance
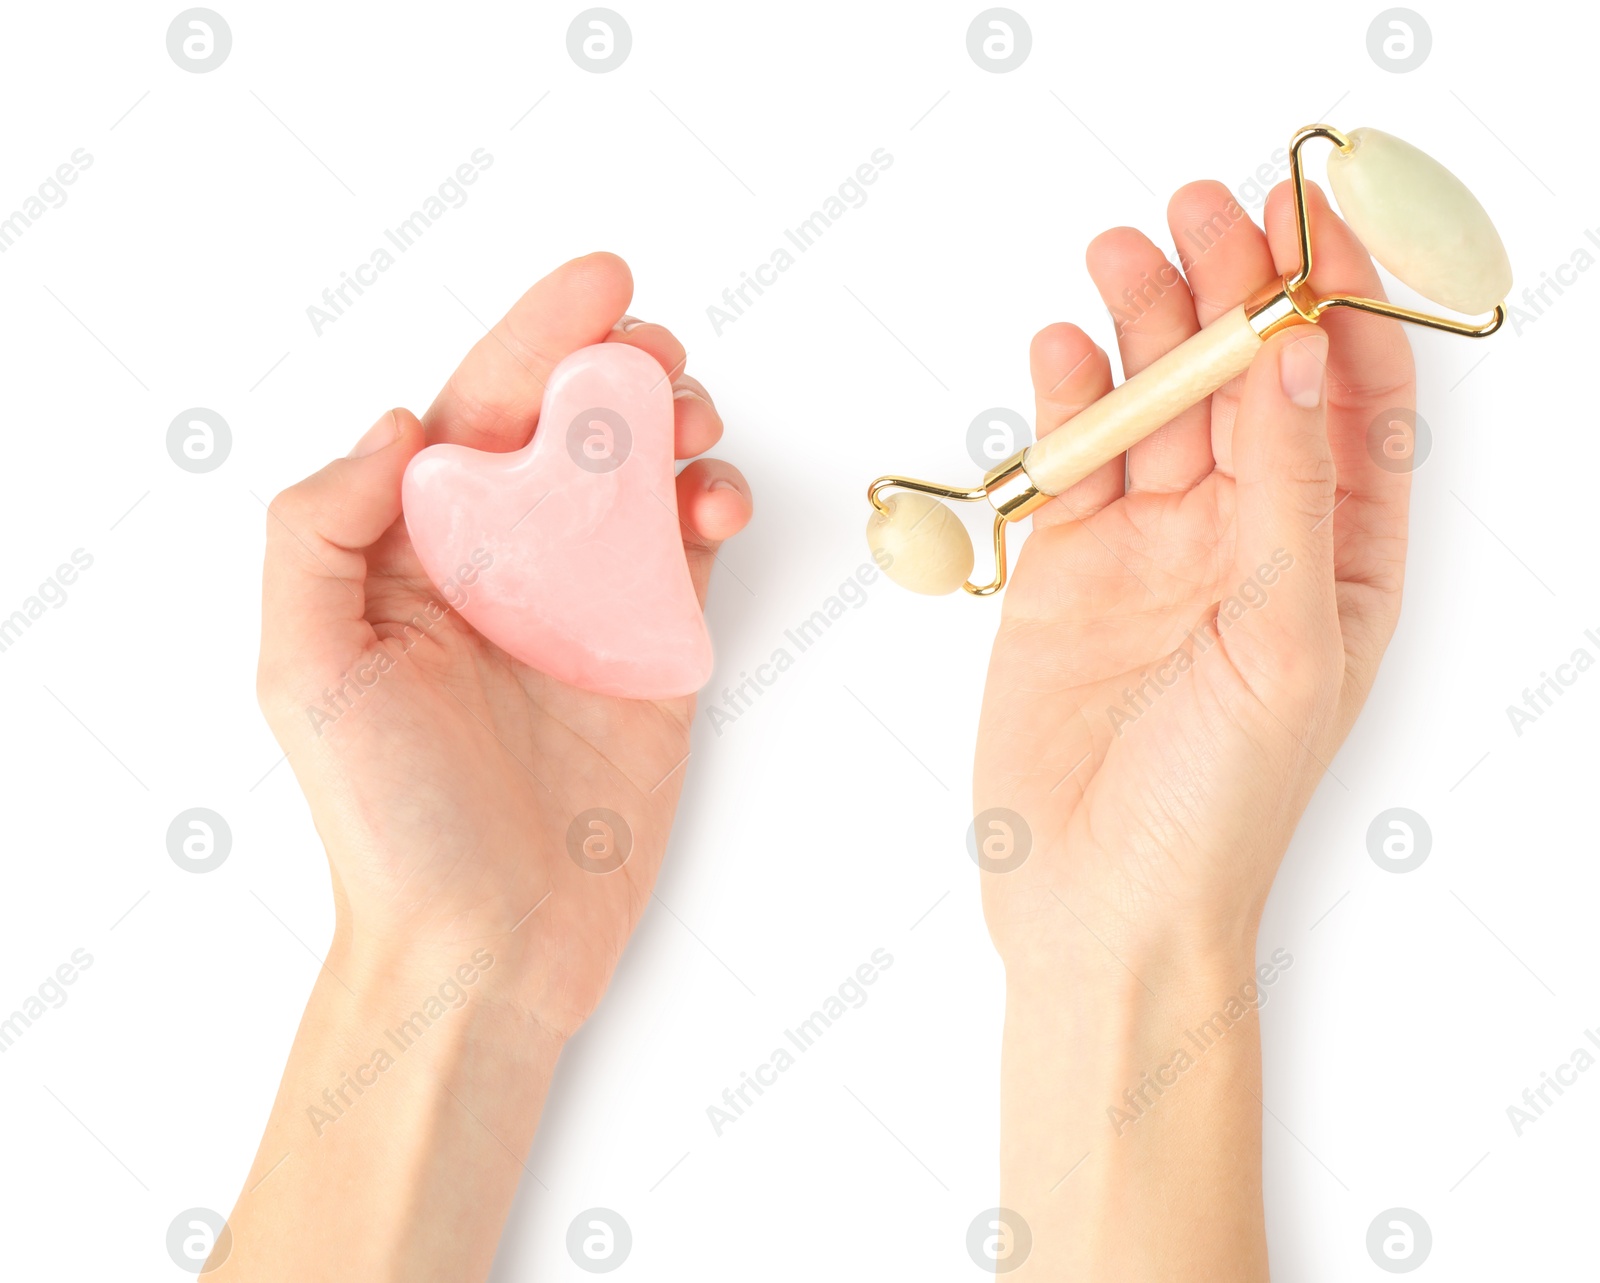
(177, 274)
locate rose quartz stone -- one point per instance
(567, 553)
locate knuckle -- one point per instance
(1314, 471)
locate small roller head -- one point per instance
(920, 543)
(1420, 221)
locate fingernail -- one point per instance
(685, 383)
(722, 483)
(384, 432)
(628, 323)
(1303, 368)
(684, 394)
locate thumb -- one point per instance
(313, 594)
(1280, 602)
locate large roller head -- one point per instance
(1420, 221)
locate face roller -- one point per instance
(1412, 214)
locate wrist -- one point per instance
(1131, 1008)
(1128, 1099)
(460, 999)
(416, 1081)
(1107, 952)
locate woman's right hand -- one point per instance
(1159, 748)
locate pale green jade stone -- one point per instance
(921, 544)
(1420, 221)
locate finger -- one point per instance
(1071, 371)
(313, 607)
(1283, 628)
(1226, 258)
(491, 402)
(1369, 358)
(1154, 313)
(713, 505)
(657, 340)
(1224, 255)
(697, 425)
(1371, 381)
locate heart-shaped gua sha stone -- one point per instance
(567, 553)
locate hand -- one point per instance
(1160, 752)
(442, 774)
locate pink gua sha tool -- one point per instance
(584, 575)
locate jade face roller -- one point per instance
(1413, 215)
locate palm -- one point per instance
(510, 759)
(1118, 776)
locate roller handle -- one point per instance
(1156, 395)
